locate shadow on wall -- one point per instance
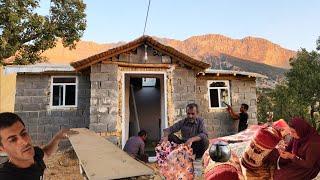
(7, 91)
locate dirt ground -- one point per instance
(63, 166)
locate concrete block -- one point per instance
(113, 93)
(96, 68)
(33, 114)
(99, 77)
(94, 119)
(112, 126)
(176, 97)
(109, 68)
(31, 121)
(69, 113)
(109, 85)
(113, 78)
(19, 91)
(98, 127)
(51, 128)
(40, 100)
(23, 115)
(23, 100)
(40, 85)
(33, 128)
(187, 96)
(34, 92)
(42, 114)
(44, 120)
(56, 113)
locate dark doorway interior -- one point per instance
(145, 110)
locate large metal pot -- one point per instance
(220, 151)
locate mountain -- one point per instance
(62, 55)
(228, 62)
(249, 48)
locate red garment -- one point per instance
(264, 141)
(306, 165)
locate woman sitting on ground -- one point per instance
(301, 158)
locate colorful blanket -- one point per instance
(175, 161)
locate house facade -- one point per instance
(140, 85)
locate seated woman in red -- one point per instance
(301, 159)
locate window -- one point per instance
(219, 93)
(64, 92)
(149, 82)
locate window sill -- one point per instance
(63, 107)
(217, 109)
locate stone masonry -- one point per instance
(183, 91)
(104, 99)
(32, 104)
(218, 121)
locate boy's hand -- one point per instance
(65, 133)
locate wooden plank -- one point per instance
(105, 55)
(124, 64)
(101, 159)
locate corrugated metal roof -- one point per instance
(235, 73)
(38, 68)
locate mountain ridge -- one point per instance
(249, 48)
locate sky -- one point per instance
(290, 23)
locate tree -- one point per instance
(318, 44)
(264, 105)
(25, 34)
(299, 94)
(303, 79)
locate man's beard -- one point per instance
(191, 120)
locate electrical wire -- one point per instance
(145, 22)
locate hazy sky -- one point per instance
(289, 23)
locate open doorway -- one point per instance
(145, 107)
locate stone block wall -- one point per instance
(218, 121)
(244, 91)
(104, 99)
(32, 104)
(183, 92)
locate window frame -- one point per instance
(219, 89)
(64, 92)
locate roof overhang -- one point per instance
(234, 73)
(38, 68)
(105, 56)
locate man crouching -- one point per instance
(192, 129)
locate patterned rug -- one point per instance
(175, 161)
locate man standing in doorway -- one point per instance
(192, 129)
(242, 116)
(135, 146)
(25, 161)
